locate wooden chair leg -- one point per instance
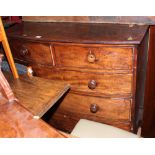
(8, 51)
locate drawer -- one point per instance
(106, 108)
(94, 57)
(92, 83)
(31, 52)
(111, 84)
(116, 112)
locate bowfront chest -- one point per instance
(104, 63)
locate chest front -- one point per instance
(102, 67)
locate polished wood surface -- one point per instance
(36, 94)
(111, 111)
(30, 52)
(17, 122)
(112, 108)
(105, 57)
(112, 84)
(98, 60)
(107, 84)
(79, 32)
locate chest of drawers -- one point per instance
(98, 60)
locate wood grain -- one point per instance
(116, 112)
(31, 52)
(16, 122)
(109, 108)
(36, 94)
(105, 57)
(107, 84)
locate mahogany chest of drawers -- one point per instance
(102, 62)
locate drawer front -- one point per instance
(112, 109)
(29, 51)
(94, 57)
(104, 84)
(114, 112)
(112, 84)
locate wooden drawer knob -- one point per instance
(94, 108)
(24, 52)
(29, 71)
(92, 84)
(91, 58)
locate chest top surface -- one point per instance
(97, 33)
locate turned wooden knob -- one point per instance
(29, 71)
(94, 108)
(24, 52)
(92, 84)
(91, 58)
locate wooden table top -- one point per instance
(35, 97)
(16, 122)
(36, 94)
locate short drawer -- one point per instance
(92, 83)
(102, 57)
(31, 52)
(116, 112)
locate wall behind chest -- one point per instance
(93, 19)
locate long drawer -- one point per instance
(116, 112)
(101, 84)
(31, 52)
(97, 57)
